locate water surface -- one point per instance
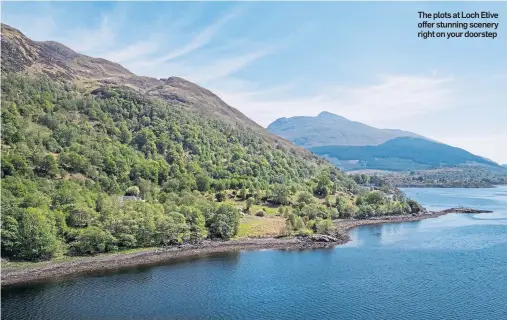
(451, 267)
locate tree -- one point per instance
(249, 203)
(280, 194)
(296, 222)
(125, 134)
(415, 207)
(73, 162)
(47, 167)
(325, 226)
(196, 222)
(38, 238)
(314, 211)
(10, 235)
(225, 222)
(345, 207)
(365, 211)
(133, 191)
(202, 182)
(375, 198)
(171, 229)
(92, 240)
(304, 198)
(324, 184)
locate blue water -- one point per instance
(451, 267)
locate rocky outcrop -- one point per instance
(318, 238)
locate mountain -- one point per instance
(353, 145)
(330, 129)
(399, 154)
(97, 159)
(21, 54)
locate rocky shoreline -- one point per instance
(51, 269)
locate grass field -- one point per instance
(253, 227)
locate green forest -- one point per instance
(85, 172)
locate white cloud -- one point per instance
(393, 97)
(173, 47)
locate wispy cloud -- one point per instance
(92, 40)
(200, 58)
(203, 38)
(177, 43)
(131, 52)
(213, 69)
(392, 97)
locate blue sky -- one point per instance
(360, 60)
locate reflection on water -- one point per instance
(450, 267)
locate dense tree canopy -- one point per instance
(69, 156)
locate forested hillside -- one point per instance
(189, 168)
(402, 154)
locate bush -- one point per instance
(132, 191)
(415, 207)
(304, 198)
(220, 196)
(260, 214)
(325, 226)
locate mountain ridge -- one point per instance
(331, 129)
(399, 154)
(352, 145)
(56, 60)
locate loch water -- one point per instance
(450, 267)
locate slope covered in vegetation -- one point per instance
(88, 169)
(404, 153)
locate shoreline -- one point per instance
(42, 271)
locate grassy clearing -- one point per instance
(253, 227)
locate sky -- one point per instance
(360, 60)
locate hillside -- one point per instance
(21, 54)
(330, 129)
(353, 146)
(399, 154)
(97, 159)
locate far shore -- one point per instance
(41, 271)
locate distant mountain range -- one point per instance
(353, 145)
(330, 129)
